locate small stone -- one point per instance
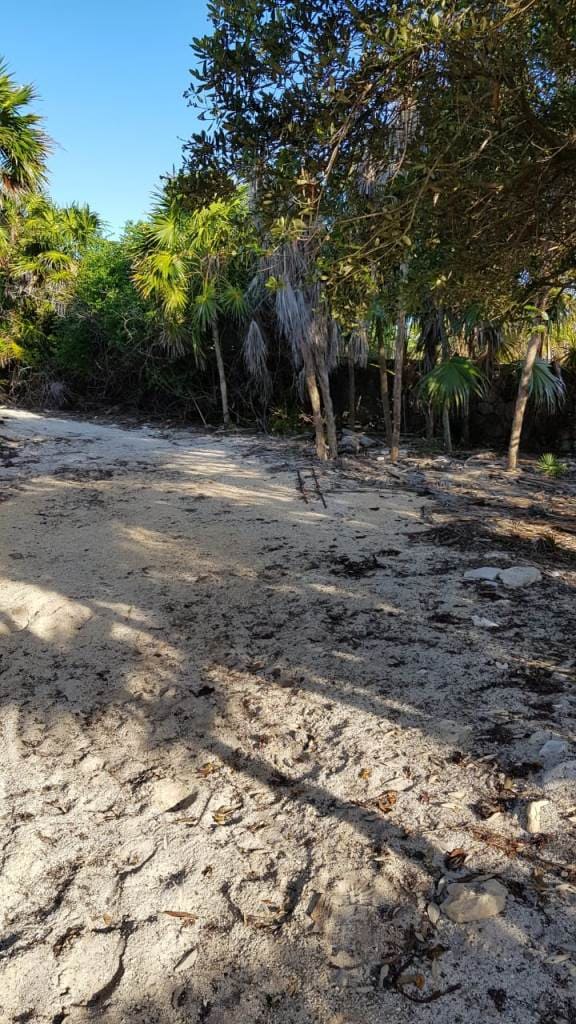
(343, 960)
(485, 572)
(171, 795)
(433, 911)
(520, 576)
(553, 749)
(92, 967)
(134, 854)
(535, 814)
(475, 901)
(91, 765)
(477, 620)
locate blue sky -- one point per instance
(110, 75)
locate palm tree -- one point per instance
(23, 143)
(448, 387)
(47, 244)
(539, 318)
(190, 265)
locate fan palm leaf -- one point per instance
(23, 143)
(547, 390)
(451, 383)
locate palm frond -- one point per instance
(547, 390)
(255, 352)
(234, 302)
(451, 383)
(206, 305)
(359, 344)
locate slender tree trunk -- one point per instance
(446, 429)
(324, 382)
(314, 396)
(522, 399)
(221, 374)
(398, 368)
(429, 423)
(384, 390)
(466, 425)
(523, 393)
(351, 391)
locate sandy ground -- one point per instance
(249, 741)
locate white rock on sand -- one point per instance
(538, 816)
(485, 572)
(474, 901)
(520, 576)
(91, 967)
(168, 795)
(516, 576)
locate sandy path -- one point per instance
(231, 775)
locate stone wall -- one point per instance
(490, 416)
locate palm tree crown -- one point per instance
(23, 143)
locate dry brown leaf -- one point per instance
(387, 801)
(207, 769)
(455, 859)
(222, 815)
(270, 920)
(411, 979)
(182, 915)
(365, 773)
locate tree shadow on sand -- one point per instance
(152, 635)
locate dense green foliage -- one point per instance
(376, 181)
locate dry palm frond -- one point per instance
(360, 345)
(255, 352)
(293, 316)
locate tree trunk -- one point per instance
(446, 429)
(324, 382)
(221, 374)
(429, 423)
(466, 426)
(351, 391)
(522, 396)
(384, 390)
(314, 396)
(398, 367)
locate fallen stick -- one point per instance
(319, 492)
(301, 486)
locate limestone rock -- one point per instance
(485, 572)
(92, 967)
(536, 816)
(474, 901)
(171, 795)
(520, 576)
(134, 854)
